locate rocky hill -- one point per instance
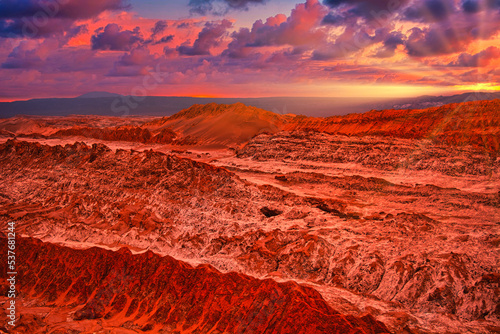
(220, 124)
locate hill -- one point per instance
(222, 124)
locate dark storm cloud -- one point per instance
(113, 38)
(220, 7)
(208, 38)
(41, 18)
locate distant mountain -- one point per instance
(94, 95)
(99, 104)
(427, 101)
(110, 104)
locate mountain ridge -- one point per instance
(97, 94)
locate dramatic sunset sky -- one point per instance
(248, 48)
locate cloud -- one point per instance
(139, 56)
(301, 28)
(74, 9)
(29, 54)
(114, 39)
(390, 44)
(41, 18)
(184, 25)
(479, 59)
(451, 36)
(354, 39)
(333, 19)
(475, 6)
(17, 28)
(439, 39)
(220, 7)
(368, 9)
(471, 6)
(22, 57)
(159, 27)
(319, 41)
(164, 39)
(133, 63)
(430, 11)
(208, 38)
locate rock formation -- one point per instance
(109, 290)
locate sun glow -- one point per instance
(483, 86)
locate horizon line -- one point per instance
(7, 100)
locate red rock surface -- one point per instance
(416, 249)
(388, 212)
(154, 293)
(134, 134)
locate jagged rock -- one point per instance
(163, 293)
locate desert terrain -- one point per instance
(234, 219)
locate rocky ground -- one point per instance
(391, 214)
(420, 257)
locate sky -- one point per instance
(248, 48)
